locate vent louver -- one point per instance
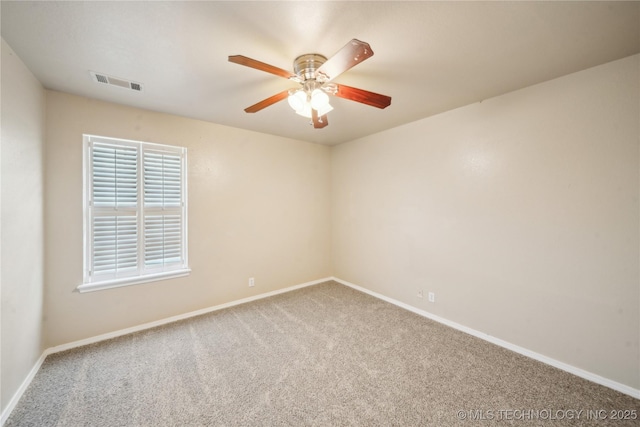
(115, 81)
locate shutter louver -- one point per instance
(115, 244)
(115, 175)
(162, 179)
(162, 240)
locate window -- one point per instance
(135, 222)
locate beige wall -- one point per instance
(519, 212)
(21, 224)
(258, 207)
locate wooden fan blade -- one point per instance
(319, 121)
(363, 96)
(248, 62)
(350, 55)
(267, 102)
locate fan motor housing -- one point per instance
(305, 66)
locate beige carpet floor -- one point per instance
(325, 355)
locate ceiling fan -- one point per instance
(314, 72)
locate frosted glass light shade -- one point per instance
(319, 99)
(324, 110)
(305, 111)
(297, 100)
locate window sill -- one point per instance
(117, 283)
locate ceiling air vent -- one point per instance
(115, 81)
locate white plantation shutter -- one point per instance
(135, 202)
(162, 207)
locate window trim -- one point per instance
(134, 280)
(89, 282)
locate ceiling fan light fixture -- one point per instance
(315, 73)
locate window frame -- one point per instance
(142, 273)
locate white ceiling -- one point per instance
(429, 57)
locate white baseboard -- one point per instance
(68, 346)
(23, 387)
(521, 350)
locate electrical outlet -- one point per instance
(420, 293)
(252, 282)
(432, 297)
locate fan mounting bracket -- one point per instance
(305, 66)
